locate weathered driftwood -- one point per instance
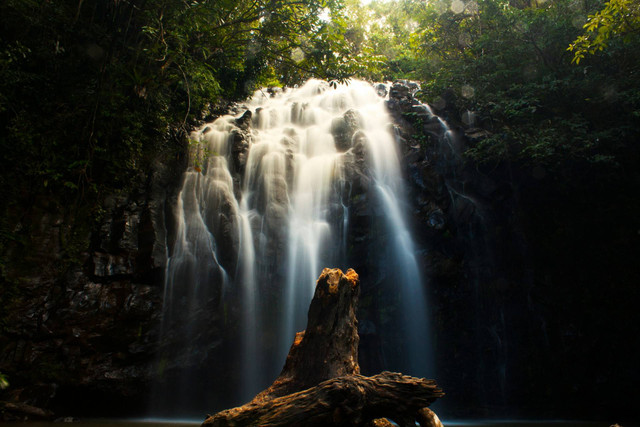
(320, 383)
(351, 400)
(328, 348)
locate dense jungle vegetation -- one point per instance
(93, 92)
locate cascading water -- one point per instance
(266, 204)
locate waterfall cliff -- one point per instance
(275, 193)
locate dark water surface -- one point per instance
(447, 423)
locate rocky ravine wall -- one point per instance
(84, 340)
(460, 218)
(79, 338)
(520, 329)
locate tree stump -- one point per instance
(321, 385)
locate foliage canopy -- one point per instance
(504, 66)
(618, 19)
(93, 92)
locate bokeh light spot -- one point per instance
(440, 7)
(457, 6)
(297, 55)
(464, 40)
(467, 91)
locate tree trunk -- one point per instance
(320, 383)
(328, 348)
(351, 400)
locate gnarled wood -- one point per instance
(320, 383)
(352, 400)
(328, 348)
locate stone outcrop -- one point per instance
(343, 128)
(475, 253)
(82, 333)
(241, 143)
(10, 411)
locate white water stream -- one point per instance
(279, 208)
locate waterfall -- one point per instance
(267, 202)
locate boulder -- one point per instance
(343, 128)
(381, 90)
(240, 143)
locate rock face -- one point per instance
(456, 218)
(241, 143)
(343, 128)
(81, 334)
(507, 282)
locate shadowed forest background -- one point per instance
(535, 312)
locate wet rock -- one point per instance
(108, 265)
(66, 420)
(244, 121)
(476, 134)
(401, 98)
(91, 324)
(16, 411)
(274, 91)
(360, 147)
(436, 220)
(404, 89)
(357, 179)
(343, 128)
(421, 110)
(276, 218)
(240, 143)
(297, 110)
(381, 90)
